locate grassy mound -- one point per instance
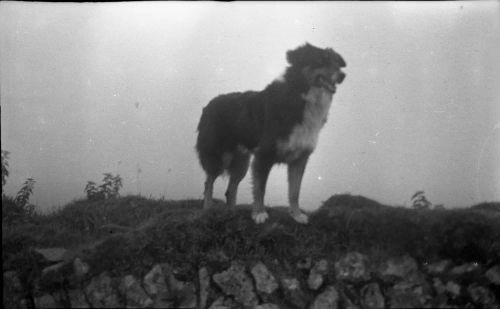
(130, 234)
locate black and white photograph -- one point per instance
(253, 155)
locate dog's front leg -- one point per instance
(296, 170)
(261, 166)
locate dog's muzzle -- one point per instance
(331, 84)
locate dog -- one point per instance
(279, 124)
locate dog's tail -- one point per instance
(206, 143)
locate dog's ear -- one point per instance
(295, 57)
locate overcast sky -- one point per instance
(119, 87)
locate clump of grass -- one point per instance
(109, 189)
(19, 209)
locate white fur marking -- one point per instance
(260, 217)
(304, 136)
(301, 218)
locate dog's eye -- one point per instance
(321, 78)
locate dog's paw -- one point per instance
(300, 217)
(260, 217)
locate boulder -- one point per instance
(399, 268)
(80, 268)
(305, 263)
(371, 296)
(482, 296)
(265, 282)
(493, 274)
(155, 285)
(224, 303)
(166, 291)
(135, 295)
(47, 301)
(328, 299)
(52, 254)
(293, 292)
(438, 267)
(204, 279)
(317, 273)
(352, 267)
(466, 269)
(235, 281)
(77, 299)
(267, 306)
(101, 292)
(407, 294)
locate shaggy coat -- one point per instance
(279, 124)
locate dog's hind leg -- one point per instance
(261, 167)
(237, 171)
(296, 170)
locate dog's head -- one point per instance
(319, 67)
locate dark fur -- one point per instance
(253, 121)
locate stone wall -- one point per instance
(352, 281)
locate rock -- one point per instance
(52, 254)
(290, 284)
(11, 280)
(328, 299)
(348, 304)
(438, 286)
(101, 292)
(293, 292)
(135, 295)
(444, 294)
(467, 268)
(204, 278)
(52, 275)
(265, 282)
(23, 304)
(304, 263)
(166, 291)
(80, 268)
(46, 301)
(453, 288)
(482, 296)
(349, 297)
(223, 303)
(398, 268)
(315, 279)
(184, 292)
(77, 299)
(237, 283)
(493, 274)
(352, 267)
(155, 282)
(438, 267)
(371, 297)
(12, 290)
(408, 294)
(267, 306)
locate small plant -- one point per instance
(24, 194)
(19, 209)
(5, 165)
(16, 209)
(108, 189)
(419, 201)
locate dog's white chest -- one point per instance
(304, 136)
